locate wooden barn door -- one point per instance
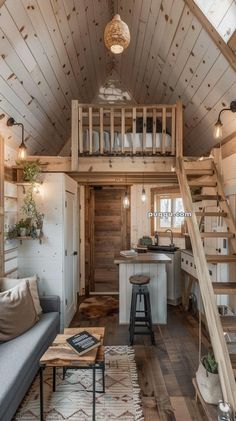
(109, 234)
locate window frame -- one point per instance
(156, 198)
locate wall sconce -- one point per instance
(218, 131)
(22, 153)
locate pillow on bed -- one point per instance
(8, 283)
(17, 312)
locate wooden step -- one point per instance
(219, 258)
(220, 214)
(198, 172)
(200, 197)
(232, 354)
(228, 323)
(228, 288)
(214, 234)
(199, 182)
(233, 361)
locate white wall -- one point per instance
(47, 259)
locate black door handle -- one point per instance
(75, 253)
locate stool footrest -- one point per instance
(141, 319)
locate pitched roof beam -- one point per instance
(212, 32)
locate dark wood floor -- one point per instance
(165, 370)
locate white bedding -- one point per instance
(128, 138)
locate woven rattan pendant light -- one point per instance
(116, 35)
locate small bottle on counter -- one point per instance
(156, 238)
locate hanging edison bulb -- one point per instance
(143, 195)
(22, 151)
(126, 202)
(218, 130)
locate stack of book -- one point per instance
(83, 342)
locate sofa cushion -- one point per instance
(20, 356)
(8, 283)
(17, 311)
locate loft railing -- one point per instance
(114, 130)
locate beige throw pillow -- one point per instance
(8, 283)
(17, 312)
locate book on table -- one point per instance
(83, 342)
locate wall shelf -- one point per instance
(21, 239)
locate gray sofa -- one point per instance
(19, 358)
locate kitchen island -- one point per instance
(152, 265)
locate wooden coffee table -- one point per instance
(59, 354)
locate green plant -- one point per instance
(31, 170)
(12, 233)
(210, 363)
(39, 220)
(23, 223)
(30, 210)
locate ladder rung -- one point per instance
(214, 234)
(219, 258)
(199, 197)
(224, 288)
(218, 214)
(228, 323)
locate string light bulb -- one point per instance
(126, 202)
(143, 195)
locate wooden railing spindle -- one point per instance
(144, 128)
(101, 137)
(90, 130)
(173, 134)
(163, 137)
(112, 129)
(134, 129)
(122, 129)
(154, 130)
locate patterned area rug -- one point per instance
(72, 402)
(99, 306)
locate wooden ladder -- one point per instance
(208, 176)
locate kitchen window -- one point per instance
(169, 209)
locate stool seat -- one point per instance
(139, 279)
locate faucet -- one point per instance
(171, 236)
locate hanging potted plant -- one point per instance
(208, 379)
(31, 170)
(30, 210)
(22, 227)
(39, 223)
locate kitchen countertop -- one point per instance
(143, 258)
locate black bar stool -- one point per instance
(139, 289)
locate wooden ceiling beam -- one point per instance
(212, 32)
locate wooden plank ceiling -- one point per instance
(52, 51)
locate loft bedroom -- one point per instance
(117, 210)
